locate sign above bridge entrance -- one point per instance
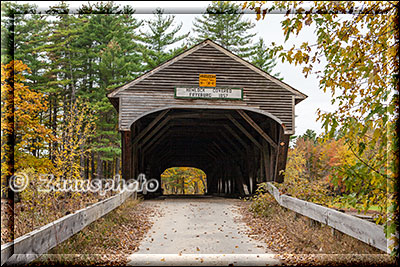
(207, 80)
(209, 93)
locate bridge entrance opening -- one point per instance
(183, 181)
(237, 148)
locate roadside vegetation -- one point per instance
(107, 241)
(316, 172)
(299, 241)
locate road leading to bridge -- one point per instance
(203, 230)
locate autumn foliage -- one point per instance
(183, 180)
(312, 171)
(22, 116)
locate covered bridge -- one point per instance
(207, 108)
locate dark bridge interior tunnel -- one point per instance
(236, 148)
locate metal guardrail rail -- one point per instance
(363, 230)
(30, 246)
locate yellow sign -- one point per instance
(207, 80)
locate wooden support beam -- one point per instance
(241, 128)
(200, 116)
(257, 128)
(165, 153)
(218, 148)
(154, 131)
(133, 154)
(151, 124)
(266, 162)
(214, 151)
(211, 155)
(228, 149)
(281, 157)
(232, 132)
(156, 139)
(233, 144)
(238, 179)
(126, 154)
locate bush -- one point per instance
(262, 202)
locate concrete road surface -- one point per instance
(199, 231)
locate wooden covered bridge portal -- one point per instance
(209, 109)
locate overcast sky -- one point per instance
(269, 29)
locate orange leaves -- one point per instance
(23, 107)
(311, 165)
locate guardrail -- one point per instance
(28, 247)
(365, 231)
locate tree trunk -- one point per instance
(92, 175)
(183, 185)
(82, 163)
(54, 127)
(87, 164)
(99, 170)
(117, 166)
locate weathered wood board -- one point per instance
(30, 246)
(360, 229)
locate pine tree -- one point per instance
(223, 23)
(262, 59)
(111, 59)
(29, 35)
(162, 35)
(11, 14)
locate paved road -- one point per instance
(202, 229)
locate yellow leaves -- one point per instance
(77, 128)
(299, 26)
(252, 5)
(306, 71)
(308, 20)
(193, 180)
